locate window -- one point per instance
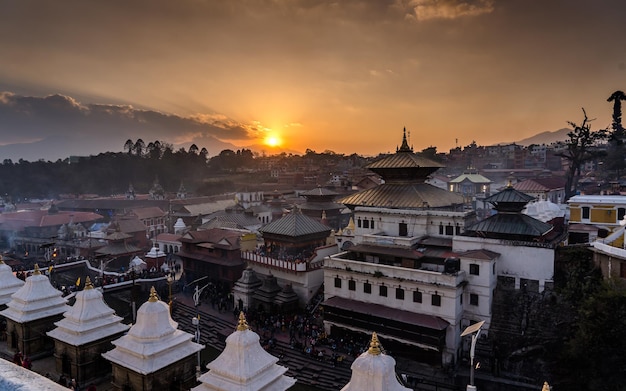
(435, 300)
(585, 213)
(382, 290)
(366, 223)
(337, 282)
(621, 212)
(352, 285)
(417, 297)
(372, 224)
(358, 223)
(494, 269)
(473, 299)
(440, 229)
(367, 287)
(449, 230)
(474, 269)
(457, 230)
(399, 293)
(403, 229)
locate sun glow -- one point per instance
(272, 141)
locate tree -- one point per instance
(138, 147)
(128, 146)
(615, 159)
(595, 356)
(580, 149)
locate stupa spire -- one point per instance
(36, 272)
(374, 345)
(242, 325)
(405, 145)
(88, 284)
(153, 295)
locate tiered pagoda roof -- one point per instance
(404, 186)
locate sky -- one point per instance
(82, 77)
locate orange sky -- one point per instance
(341, 75)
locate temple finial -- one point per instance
(36, 272)
(546, 386)
(374, 345)
(243, 323)
(1, 260)
(153, 296)
(405, 145)
(88, 284)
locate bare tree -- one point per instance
(581, 148)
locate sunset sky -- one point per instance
(82, 77)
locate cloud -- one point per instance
(422, 10)
(28, 119)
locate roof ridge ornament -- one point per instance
(405, 145)
(153, 295)
(88, 283)
(36, 272)
(374, 349)
(242, 325)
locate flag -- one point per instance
(78, 282)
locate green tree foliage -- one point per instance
(581, 148)
(595, 356)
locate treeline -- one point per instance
(112, 172)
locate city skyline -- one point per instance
(78, 79)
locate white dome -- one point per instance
(9, 284)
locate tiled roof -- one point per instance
(481, 254)
(319, 191)
(540, 184)
(147, 213)
(295, 224)
(40, 218)
(222, 238)
(404, 196)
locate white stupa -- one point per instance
(244, 366)
(9, 284)
(154, 342)
(374, 371)
(36, 299)
(89, 319)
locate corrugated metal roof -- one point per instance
(510, 195)
(404, 160)
(295, 224)
(404, 196)
(510, 224)
(319, 191)
(540, 184)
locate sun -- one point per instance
(272, 141)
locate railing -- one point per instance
(292, 266)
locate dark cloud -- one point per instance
(28, 119)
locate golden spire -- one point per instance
(153, 295)
(88, 284)
(36, 272)
(351, 224)
(243, 324)
(546, 386)
(1, 260)
(374, 345)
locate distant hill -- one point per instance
(544, 138)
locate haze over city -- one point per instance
(81, 78)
